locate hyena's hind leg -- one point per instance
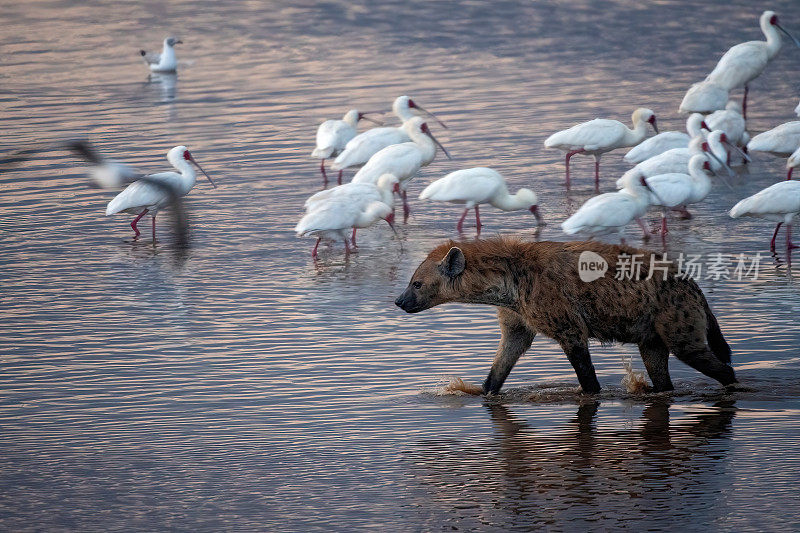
(655, 355)
(516, 339)
(686, 339)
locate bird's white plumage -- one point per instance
(746, 61)
(357, 193)
(402, 160)
(779, 203)
(594, 137)
(610, 212)
(704, 97)
(475, 186)
(334, 220)
(333, 135)
(781, 140)
(730, 121)
(167, 60)
(361, 147)
(141, 195)
(657, 145)
(680, 189)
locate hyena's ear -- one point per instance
(453, 263)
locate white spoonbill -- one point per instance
(333, 135)
(658, 144)
(475, 186)
(676, 190)
(333, 220)
(600, 135)
(781, 140)
(612, 211)
(779, 203)
(142, 196)
(403, 160)
(166, 61)
(730, 120)
(359, 193)
(704, 97)
(677, 160)
(365, 145)
(744, 62)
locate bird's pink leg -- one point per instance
(478, 219)
(774, 235)
(353, 238)
(339, 179)
(645, 233)
(406, 209)
(744, 103)
(664, 225)
(789, 244)
(346, 248)
(324, 174)
(314, 251)
(744, 151)
(135, 221)
(460, 225)
(683, 212)
(597, 173)
(789, 174)
(569, 155)
(154, 229)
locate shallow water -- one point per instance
(245, 386)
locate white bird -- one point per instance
(333, 220)
(365, 145)
(779, 203)
(677, 159)
(612, 211)
(599, 136)
(475, 186)
(667, 140)
(781, 140)
(797, 110)
(676, 190)
(403, 160)
(333, 135)
(730, 120)
(704, 97)
(143, 196)
(166, 61)
(359, 193)
(744, 62)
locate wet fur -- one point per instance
(537, 289)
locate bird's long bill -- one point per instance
(204, 173)
(390, 221)
(655, 126)
(722, 163)
(535, 210)
(429, 134)
(739, 151)
(434, 117)
(373, 120)
(789, 35)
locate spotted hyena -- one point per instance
(537, 288)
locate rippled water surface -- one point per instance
(247, 387)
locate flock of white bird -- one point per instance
(672, 169)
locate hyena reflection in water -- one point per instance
(536, 288)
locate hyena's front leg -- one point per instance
(516, 339)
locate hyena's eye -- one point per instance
(417, 284)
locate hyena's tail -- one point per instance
(716, 341)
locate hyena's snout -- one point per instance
(408, 301)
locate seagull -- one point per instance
(166, 61)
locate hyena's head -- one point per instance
(432, 283)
